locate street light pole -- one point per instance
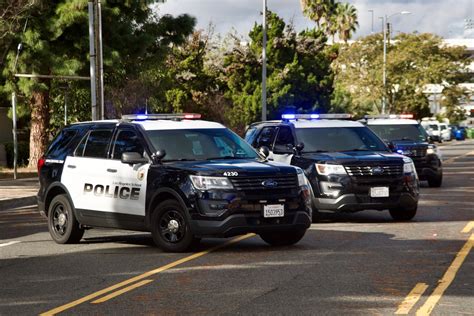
(385, 22)
(264, 63)
(372, 29)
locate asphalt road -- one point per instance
(361, 263)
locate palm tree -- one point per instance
(317, 10)
(345, 20)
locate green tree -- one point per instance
(318, 11)
(413, 61)
(56, 42)
(299, 73)
(345, 21)
(452, 99)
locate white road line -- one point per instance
(10, 243)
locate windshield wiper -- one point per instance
(358, 149)
(314, 151)
(403, 138)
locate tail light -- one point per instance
(41, 163)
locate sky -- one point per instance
(442, 17)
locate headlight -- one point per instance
(408, 166)
(326, 169)
(301, 177)
(432, 150)
(208, 183)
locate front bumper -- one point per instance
(358, 202)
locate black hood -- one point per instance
(355, 157)
(244, 167)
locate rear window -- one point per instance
(58, 148)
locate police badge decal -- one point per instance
(141, 174)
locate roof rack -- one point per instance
(335, 116)
(390, 116)
(151, 117)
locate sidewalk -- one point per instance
(18, 193)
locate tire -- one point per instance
(315, 216)
(62, 224)
(435, 182)
(170, 227)
(403, 214)
(283, 238)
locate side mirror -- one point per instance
(264, 151)
(133, 158)
(160, 154)
(299, 148)
(391, 146)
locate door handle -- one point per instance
(112, 170)
(71, 166)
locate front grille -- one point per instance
(255, 183)
(375, 171)
(414, 151)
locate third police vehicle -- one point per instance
(407, 137)
(179, 178)
(348, 167)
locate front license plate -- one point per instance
(276, 210)
(379, 192)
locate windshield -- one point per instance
(433, 127)
(200, 144)
(390, 133)
(339, 139)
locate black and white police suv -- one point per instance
(407, 137)
(348, 167)
(179, 178)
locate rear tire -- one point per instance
(62, 224)
(403, 214)
(170, 228)
(435, 182)
(283, 238)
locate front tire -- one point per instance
(283, 238)
(435, 182)
(62, 224)
(170, 227)
(403, 214)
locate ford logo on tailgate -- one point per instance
(270, 183)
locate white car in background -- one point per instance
(445, 132)
(433, 128)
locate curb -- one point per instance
(18, 202)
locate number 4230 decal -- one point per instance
(230, 174)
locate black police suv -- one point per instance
(348, 167)
(179, 178)
(407, 137)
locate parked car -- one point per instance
(458, 132)
(175, 176)
(433, 128)
(349, 168)
(407, 137)
(445, 132)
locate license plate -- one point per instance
(379, 192)
(276, 210)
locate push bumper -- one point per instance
(356, 202)
(239, 224)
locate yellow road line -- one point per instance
(467, 229)
(448, 277)
(121, 291)
(411, 299)
(143, 276)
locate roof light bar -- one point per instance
(390, 116)
(145, 117)
(336, 116)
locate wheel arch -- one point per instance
(56, 189)
(162, 195)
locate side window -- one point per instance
(250, 135)
(127, 141)
(95, 144)
(266, 137)
(58, 147)
(285, 141)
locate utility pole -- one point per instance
(372, 29)
(264, 63)
(96, 64)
